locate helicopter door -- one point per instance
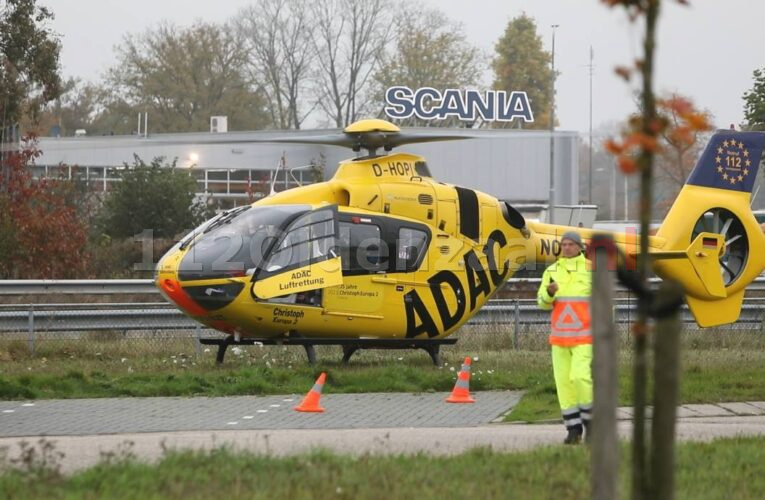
(304, 259)
(362, 243)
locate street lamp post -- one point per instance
(589, 152)
(552, 131)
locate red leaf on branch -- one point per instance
(623, 72)
(627, 165)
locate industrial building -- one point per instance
(234, 167)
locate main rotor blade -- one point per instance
(326, 140)
(224, 139)
(417, 138)
(369, 140)
(353, 140)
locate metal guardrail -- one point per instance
(162, 316)
(146, 286)
(155, 316)
(86, 317)
(527, 312)
(144, 319)
(89, 287)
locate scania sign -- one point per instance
(428, 103)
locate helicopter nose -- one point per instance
(166, 280)
(172, 289)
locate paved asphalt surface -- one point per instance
(86, 430)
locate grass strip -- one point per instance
(726, 468)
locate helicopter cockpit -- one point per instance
(281, 249)
(235, 243)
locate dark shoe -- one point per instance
(574, 435)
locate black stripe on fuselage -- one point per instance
(469, 224)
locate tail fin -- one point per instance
(730, 161)
(712, 243)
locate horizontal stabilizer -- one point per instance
(703, 254)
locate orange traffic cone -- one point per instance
(311, 400)
(461, 391)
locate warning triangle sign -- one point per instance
(567, 319)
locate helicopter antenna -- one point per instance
(272, 191)
(294, 169)
(280, 164)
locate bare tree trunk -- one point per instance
(279, 38)
(604, 473)
(666, 377)
(640, 485)
(349, 40)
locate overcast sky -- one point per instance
(706, 51)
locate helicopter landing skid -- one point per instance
(350, 346)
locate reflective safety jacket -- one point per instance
(570, 323)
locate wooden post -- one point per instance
(665, 399)
(605, 443)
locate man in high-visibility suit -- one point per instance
(565, 288)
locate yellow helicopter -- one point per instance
(383, 255)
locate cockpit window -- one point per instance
(236, 244)
(310, 238)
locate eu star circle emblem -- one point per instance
(732, 161)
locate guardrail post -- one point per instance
(31, 329)
(517, 324)
(198, 342)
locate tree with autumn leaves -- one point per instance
(42, 233)
(681, 136)
(673, 132)
(57, 228)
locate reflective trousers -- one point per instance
(572, 367)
